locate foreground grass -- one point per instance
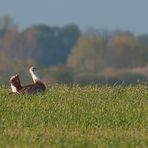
(75, 117)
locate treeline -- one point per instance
(120, 50)
(108, 58)
(39, 44)
(67, 55)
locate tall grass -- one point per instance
(64, 116)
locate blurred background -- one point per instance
(80, 41)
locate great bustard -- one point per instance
(37, 87)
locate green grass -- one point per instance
(75, 117)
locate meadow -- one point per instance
(74, 116)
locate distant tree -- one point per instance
(143, 51)
(6, 24)
(54, 43)
(143, 40)
(88, 54)
(122, 50)
(38, 44)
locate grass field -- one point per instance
(90, 116)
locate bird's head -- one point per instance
(32, 69)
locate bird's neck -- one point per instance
(35, 77)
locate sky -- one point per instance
(126, 15)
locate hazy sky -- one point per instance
(129, 15)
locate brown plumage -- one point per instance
(38, 87)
